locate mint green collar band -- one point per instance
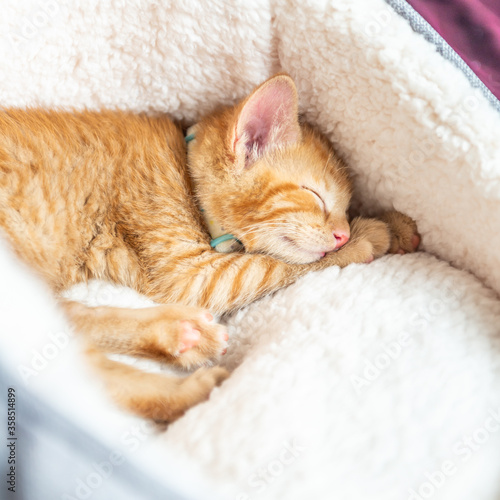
(222, 239)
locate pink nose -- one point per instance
(341, 238)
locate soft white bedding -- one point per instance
(378, 381)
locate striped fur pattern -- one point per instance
(112, 195)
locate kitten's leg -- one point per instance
(181, 335)
(224, 282)
(151, 395)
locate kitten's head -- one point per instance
(272, 183)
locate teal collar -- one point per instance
(221, 241)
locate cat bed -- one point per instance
(472, 28)
(377, 381)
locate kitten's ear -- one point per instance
(267, 119)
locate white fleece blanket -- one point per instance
(377, 381)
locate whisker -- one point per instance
(326, 164)
(270, 225)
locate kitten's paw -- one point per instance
(404, 234)
(166, 401)
(196, 387)
(210, 377)
(187, 336)
(372, 236)
(201, 340)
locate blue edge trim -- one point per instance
(421, 26)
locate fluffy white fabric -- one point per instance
(378, 381)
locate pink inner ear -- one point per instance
(257, 132)
(269, 117)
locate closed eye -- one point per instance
(318, 197)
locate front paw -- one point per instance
(404, 234)
(202, 341)
(188, 336)
(374, 235)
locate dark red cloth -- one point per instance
(472, 28)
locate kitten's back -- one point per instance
(61, 177)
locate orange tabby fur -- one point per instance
(107, 195)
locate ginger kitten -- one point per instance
(113, 195)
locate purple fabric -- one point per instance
(472, 28)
